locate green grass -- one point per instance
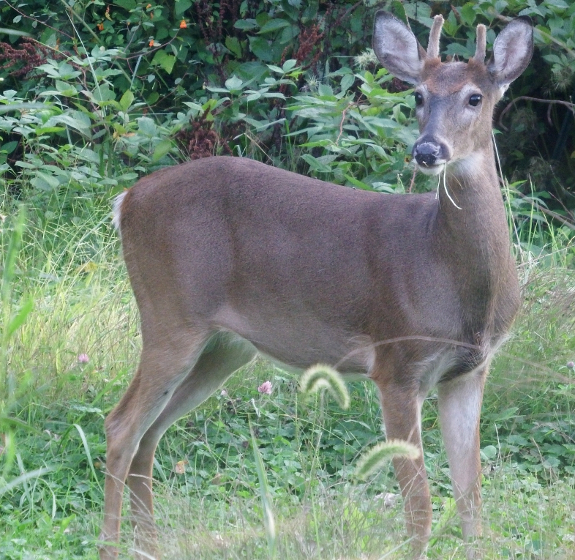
(69, 265)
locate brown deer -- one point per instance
(228, 257)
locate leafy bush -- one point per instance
(121, 75)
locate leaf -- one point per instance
(262, 18)
(88, 454)
(193, 106)
(275, 68)
(261, 48)
(253, 70)
(181, 6)
(9, 147)
(489, 452)
(126, 100)
(273, 25)
(233, 45)
(7, 487)
(217, 89)
(67, 71)
(164, 60)
(324, 90)
(289, 65)
(11, 254)
(347, 82)
(128, 4)
(23, 107)
(266, 499)
(13, 32)
(316, 165)
(65, 89)
(49, 130)
(553, 58)
(161, 149)
(44, 182)
(26, 164)
(17, 423)
(253, 96)
(467, 14)
(309, 112)
(289, 34)
(234, 83)
(104, 93)
(89, 155)
(358, 184)
(147, 126)
(246, 24)
(74, 119)
(459, 50)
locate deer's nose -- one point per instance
(427, 154)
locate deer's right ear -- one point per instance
(397, 48)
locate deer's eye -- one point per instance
(475, 99)
(418, 98)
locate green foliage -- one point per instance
(169, 50)
(361, 141)
(161, 82)
(15, 310)
(353, 142)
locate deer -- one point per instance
(229, 258)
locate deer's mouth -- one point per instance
(434, 169)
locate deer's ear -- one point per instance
(512, 51)
(397, 48)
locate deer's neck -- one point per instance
(473, 241)
(471, 218)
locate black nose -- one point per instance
(426, 153)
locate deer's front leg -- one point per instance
(459, 411)
(402, 417)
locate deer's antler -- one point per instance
(481, 43)
(433, 45)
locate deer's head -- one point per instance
(454, 100)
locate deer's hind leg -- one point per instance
(165, 360)
(177, 371)
(223, 355)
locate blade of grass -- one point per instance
(269, 521)
(88, 454)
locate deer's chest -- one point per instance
(455, 360)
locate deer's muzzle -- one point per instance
(430, 154)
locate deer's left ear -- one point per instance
(512, 51)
